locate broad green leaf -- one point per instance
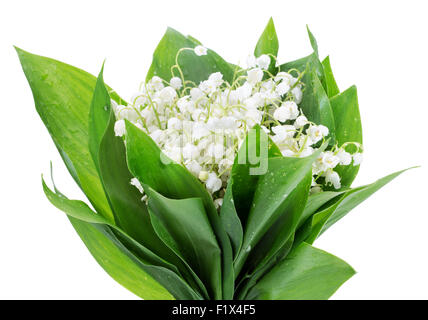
(195, 68)
(268, 44)
(284, 226)
(62, 96)
(272, 198)
(155, 275)
(245, 183)
(188, 226)
(348, 128)
(332, 88)
(306, 273)
(338, 207)
(230, 219)
(147, 163)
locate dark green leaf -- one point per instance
(188, 226)
(195, 68)
(306, 274)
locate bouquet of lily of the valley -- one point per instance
(213, 180)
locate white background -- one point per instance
(381, 46)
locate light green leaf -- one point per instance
(313, 41)
(153, 168)
(348, 128)
(62, 95)
(120, 257)
(332, 88)
(268, 44)
(195, 68)
(188, 227)
(306, 273)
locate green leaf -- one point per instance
(316, 201)
(306, 274)
(121, 267)
(62, 96)
(313, 41)
(188, 226)
(268, 44)
(245, 183)
(109, 155)
(233, 220)
(338, 207)
(99, 115)
(284, 226)
(332, 88)
(195, 68)
(355, 196)
(250, 279)
(348, 128)
(273, 199)
(123, 262)
(153, 168)
(316, 105)
(311, 62)
(230, 219)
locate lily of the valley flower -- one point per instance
(202, 126)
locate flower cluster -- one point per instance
(202, 126)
